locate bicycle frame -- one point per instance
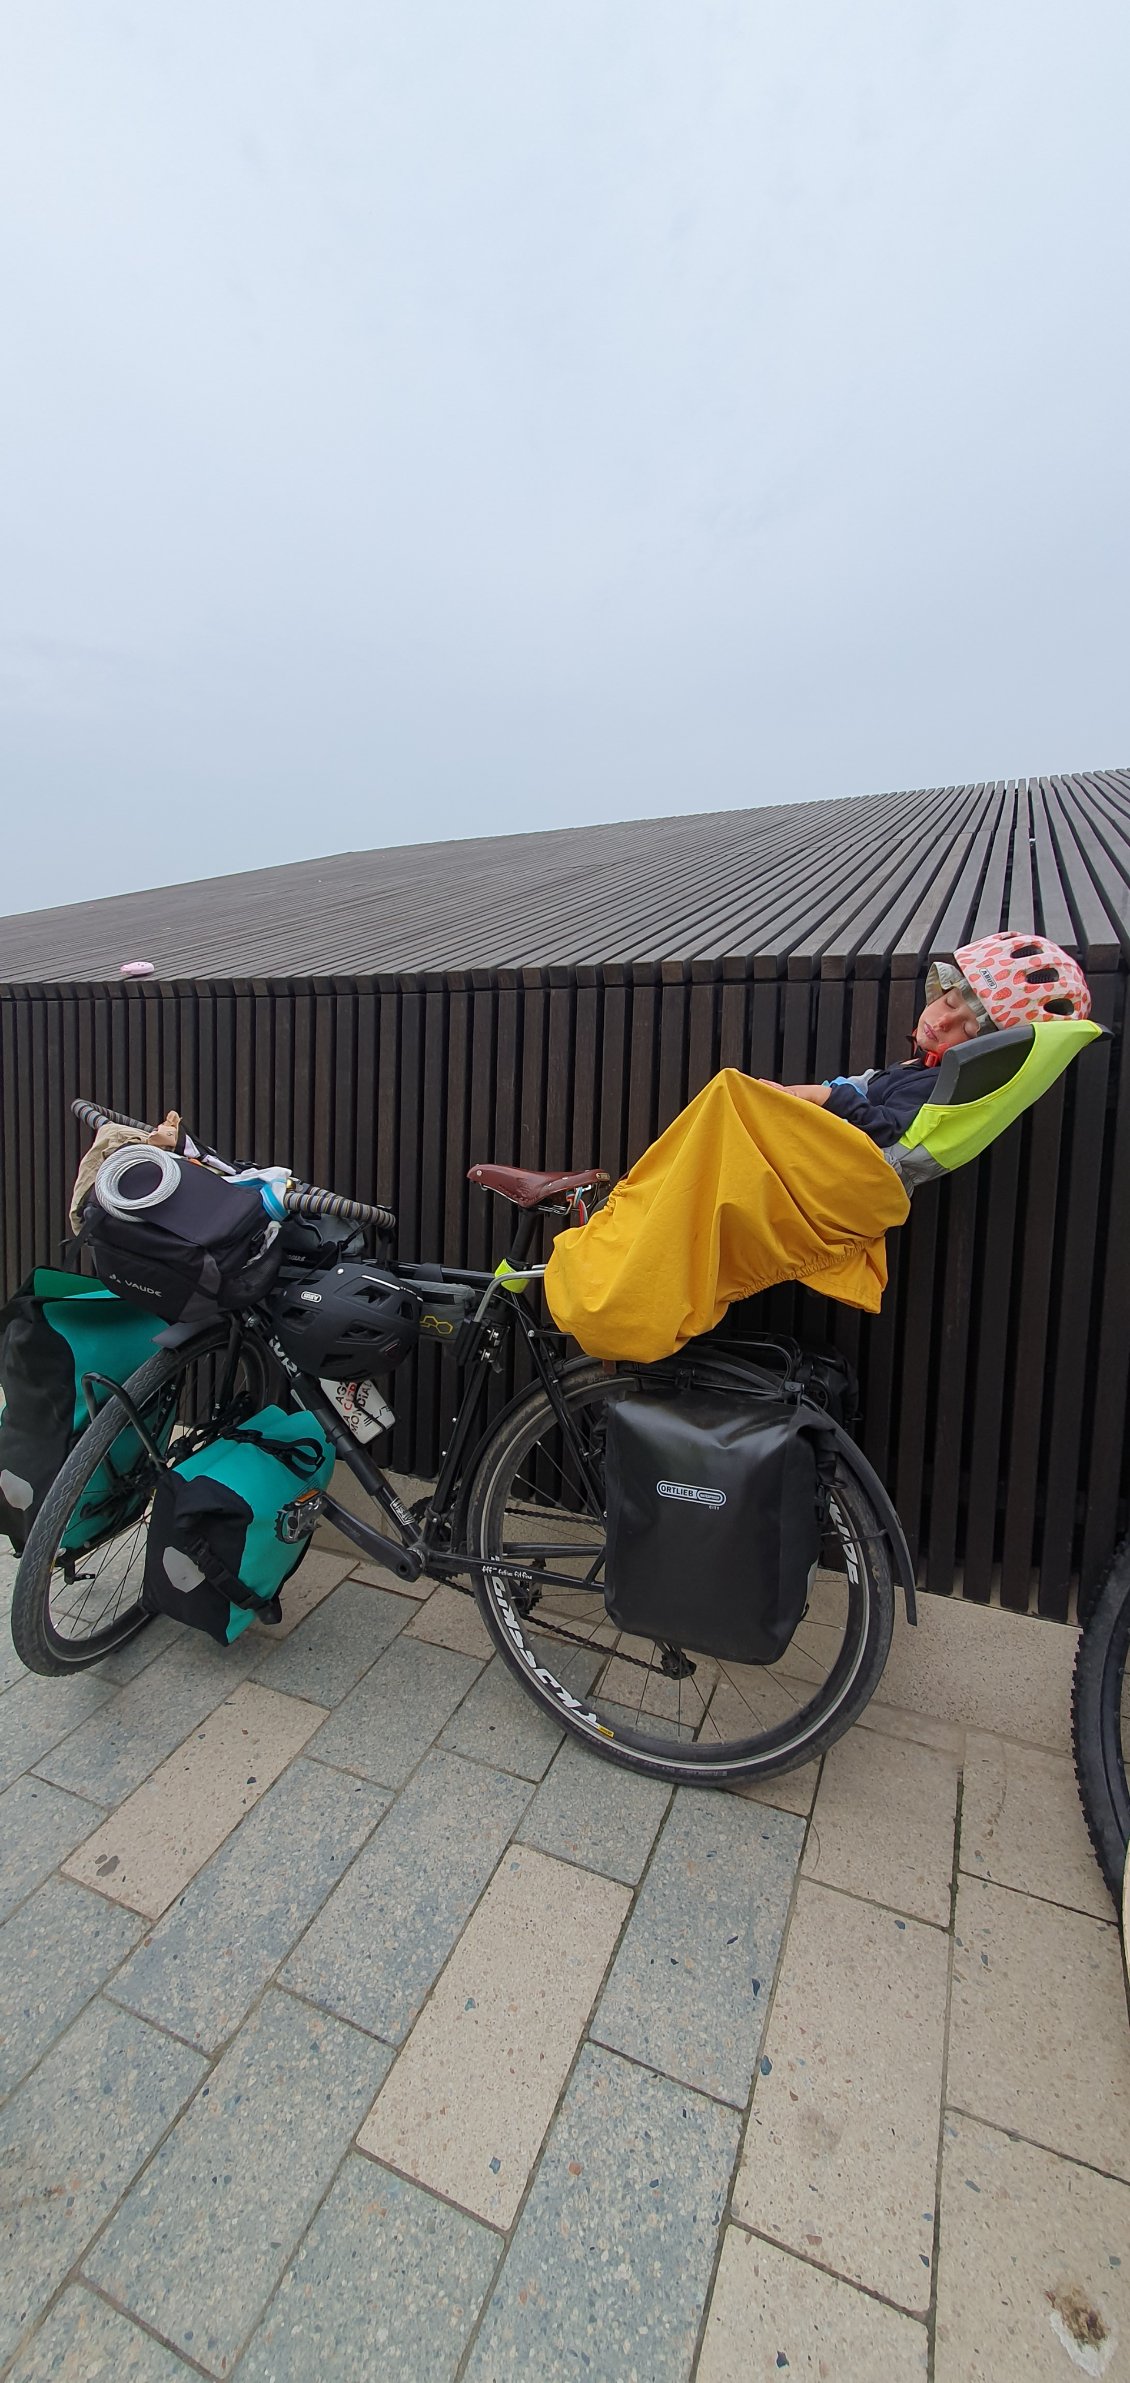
(420, 1548)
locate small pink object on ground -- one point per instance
(136, 968)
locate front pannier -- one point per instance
(203, 1246)
(714, 1520)
(230, 1524)
(56, 1328)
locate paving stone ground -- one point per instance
(353, 2025)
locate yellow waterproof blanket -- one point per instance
(748, 1187)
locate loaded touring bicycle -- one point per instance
(689, 1565)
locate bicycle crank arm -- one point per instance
(404, 1561)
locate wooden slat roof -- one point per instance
(818, 888)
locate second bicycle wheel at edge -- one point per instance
(723, 1721)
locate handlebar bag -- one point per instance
(715, 1519)
(230, 1524)
(56, 1328)
(207, 1248)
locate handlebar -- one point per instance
(88, 1113)
(308, 1199)
(300, 1199)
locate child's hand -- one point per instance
(817, 1093)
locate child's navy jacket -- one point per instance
(882, 1101)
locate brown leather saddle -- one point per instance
(529, 1190)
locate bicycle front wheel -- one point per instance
(537, 1502)
(1100, 1721)
(78, 1589)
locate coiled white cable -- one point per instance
(111, 1191)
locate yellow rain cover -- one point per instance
(748, 1187)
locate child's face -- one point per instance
(946, 1021)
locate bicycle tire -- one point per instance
(119, 1559)
(1100, 1721)
(662, 1743)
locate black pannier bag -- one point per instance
(715, 1520)
(206, 1246)
(54, 1330)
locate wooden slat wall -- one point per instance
(995, 1380)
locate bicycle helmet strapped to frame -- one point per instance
(347, 1324)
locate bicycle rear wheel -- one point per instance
(1100, 1721)
(71, 1608)
(675, 1714)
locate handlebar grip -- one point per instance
(90, 1113)
(309, 1199)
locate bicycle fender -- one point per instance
(900, 1553)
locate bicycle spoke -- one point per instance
(685, 1707)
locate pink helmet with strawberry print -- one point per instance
(1014, 978)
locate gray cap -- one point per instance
(944, 976)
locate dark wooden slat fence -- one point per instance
(995, 1380)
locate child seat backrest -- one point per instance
(980, 1089)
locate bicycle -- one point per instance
(516, 1516)
(1100, 1721)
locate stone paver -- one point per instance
(1063, 2078)
(117, 1748)
(608, 2270)
(318, 1573)
(39, 1826)
(497, 1723)
(449, 1619)
(330, 2115)
(84, 2340)
(55, 1953)
(388, 2283)
(773, 2315)
(387, 1930)
(200, 1969)
(334, 1646)
(204, 2235)
(147, 1851)
(71, 2139)
(468, 2102)
(1034, 2274)
(140, 1651)
(388, 1721)
(690, 1984)
(591, 1812)
(1022, 1825)
(883, 1824)
(841, 2153)
(38, 1714)
(793, 1791)
(974, 1667)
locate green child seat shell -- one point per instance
(981, 1088)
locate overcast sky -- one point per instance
(441, 417)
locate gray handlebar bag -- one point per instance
(715, 1517)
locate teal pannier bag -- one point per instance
(56, 1328)
(231, 1523)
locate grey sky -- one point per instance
(454, 416)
